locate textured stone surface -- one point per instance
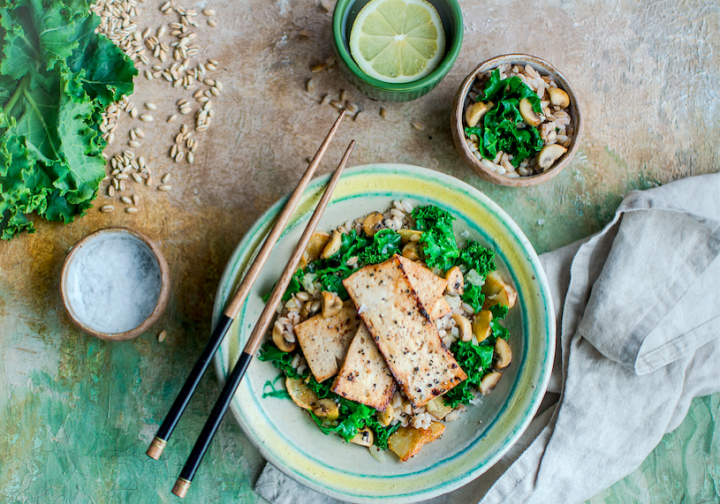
(76, 414)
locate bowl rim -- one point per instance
(243, 254)
(458, 114)
(451, 52)
(164, 284)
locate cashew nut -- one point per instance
(331, 304)
(333, 245)
(528, 114)
(549, 154)
(558, 97)
(455, 282)
(373, 223)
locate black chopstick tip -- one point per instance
(181, 487)
(156, 448)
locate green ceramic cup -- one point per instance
(345, 13)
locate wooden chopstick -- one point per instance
(168, 426)
(213, 422)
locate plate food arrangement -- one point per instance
(391, 327)
(370, 426)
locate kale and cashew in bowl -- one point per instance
(516, 121)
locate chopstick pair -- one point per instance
(166, 429)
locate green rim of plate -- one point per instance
(538, 320)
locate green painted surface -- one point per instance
(76, 414)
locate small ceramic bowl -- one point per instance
(115, 283)
(462, 99)
(343, 18)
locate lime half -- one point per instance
(397, 40)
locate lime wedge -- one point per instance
(397, 40)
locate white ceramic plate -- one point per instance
(287, 436)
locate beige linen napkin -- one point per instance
(638, 312)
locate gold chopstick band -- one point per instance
(156, 448)
(181, 487)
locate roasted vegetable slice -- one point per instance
(301, 394)
(438, 408)
(407, 441)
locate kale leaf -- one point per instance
(502, 128)
(439, 247)
(478, 258)
(475, 360)
(386, 243)
(56, 78)
(473, 296)
(353, 416)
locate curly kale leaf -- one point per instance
(475, 360)
(386, 243)
(56, 77)
(502, 128)
(439, 247)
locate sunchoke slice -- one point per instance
(301, 393)
(406, 442)
(312, 252)
(364, 437)
(373, 223)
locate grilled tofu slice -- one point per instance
(325, 341)
(428, 286)
(440, 309)
(403, 331)
(364, 376)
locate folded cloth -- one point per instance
(638, 312)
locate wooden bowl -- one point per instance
(72, 267)
(458, 130)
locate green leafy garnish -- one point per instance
(57, 76)
(353, 416)
(478, 258)
(498, 313)
(439, 247)
(281, 360)
(277, 393)
(475, 360)
(502, 128)
(473, 296)
(386, 243)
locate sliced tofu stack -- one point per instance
(403, 331)
(325, 341)
(364, 376)
(429, 287)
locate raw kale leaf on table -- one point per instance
(57, 76)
